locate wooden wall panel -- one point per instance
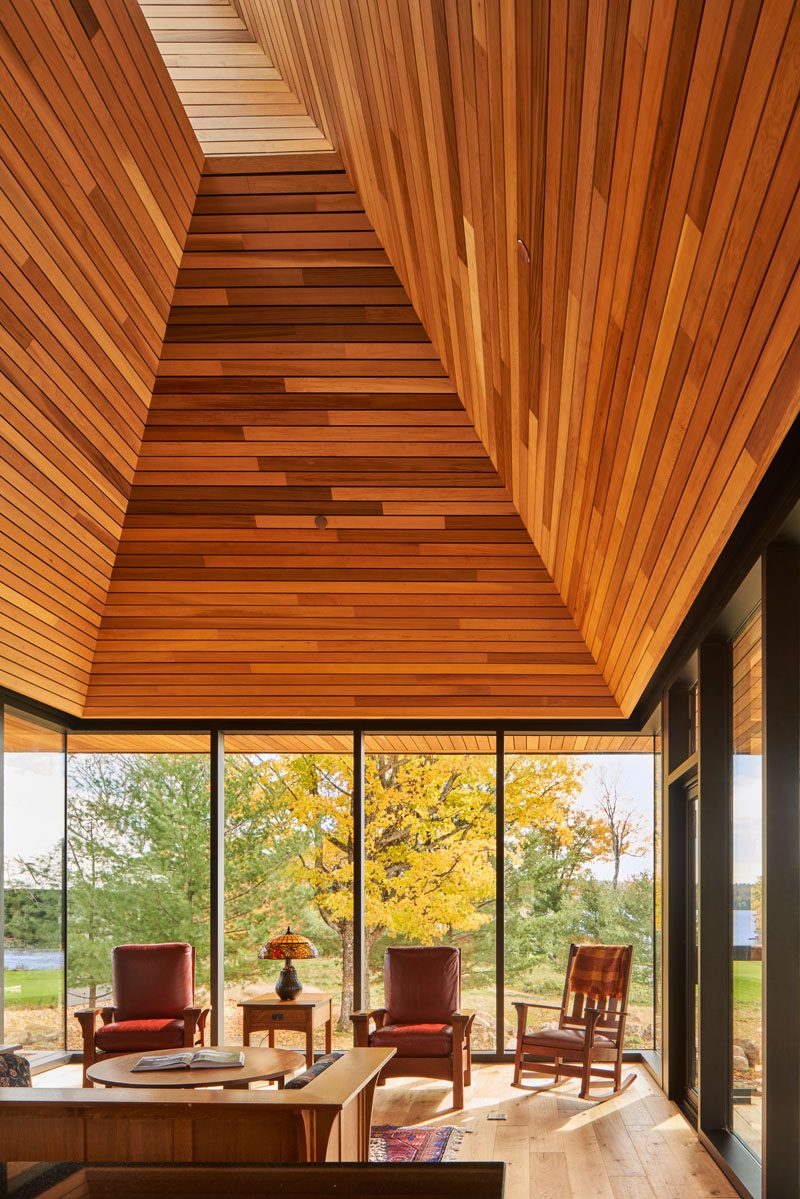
(593, 207)
(297, 388)
(748, 703)
(99, 169)
(234, 96)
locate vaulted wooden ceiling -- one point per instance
(593, 206)
(552, 354)
(297, 388)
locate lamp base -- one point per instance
(288, 985)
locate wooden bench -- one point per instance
(476, 1180)
(327, 1120)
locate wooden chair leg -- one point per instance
(458, 1074)
(521, 1022)
(468, 1068)
(86, 1019)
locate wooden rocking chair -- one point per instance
(588, 1042)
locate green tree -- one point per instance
(137, 857)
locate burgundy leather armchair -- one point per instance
(422, 1019)
(153, 1004)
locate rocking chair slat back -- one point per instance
(612, 1011)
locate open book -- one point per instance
(199, 1059)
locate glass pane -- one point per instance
(747, 1089)
(693, 940)
(579, 865)
(658, 896)
(138, 854)
(33, 831)
(430, 853)
(289, 861)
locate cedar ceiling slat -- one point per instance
(624, 365)
(24, 738)
(99, 173)
(422, 594)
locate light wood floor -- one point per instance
(637, 1146)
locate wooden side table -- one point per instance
(267, 1013)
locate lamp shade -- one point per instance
(288, 945)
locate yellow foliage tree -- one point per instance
(429, 836)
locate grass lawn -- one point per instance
(33, 988)
(747, 983)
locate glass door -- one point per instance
(692, 943)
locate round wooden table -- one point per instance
(259, 1065)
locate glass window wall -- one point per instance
(138, 855)
(579, 865)
(33, 879)
(289, 850)
(579, 845)
(747, 973)
(430, 877)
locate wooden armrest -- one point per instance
(550, 1007)
(372, 1014)
(87, 1018)
(465, 1019)
(108, 1014)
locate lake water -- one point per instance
(33, 959)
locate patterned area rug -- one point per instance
(391, 1144)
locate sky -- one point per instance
(747, 833)
(34, 804)
(633, 774)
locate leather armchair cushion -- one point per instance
(422, 984)
(128, 1036)
(564, 1038)
(415, 1040)
(152, 981)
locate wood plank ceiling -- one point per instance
(98, 172)
(235, 98)
(297, 388)
(593, 207)
(529, 443)
(22, 737)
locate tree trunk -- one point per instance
(346, 934)
(617, 858)
(92, 995)
(372, 935)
